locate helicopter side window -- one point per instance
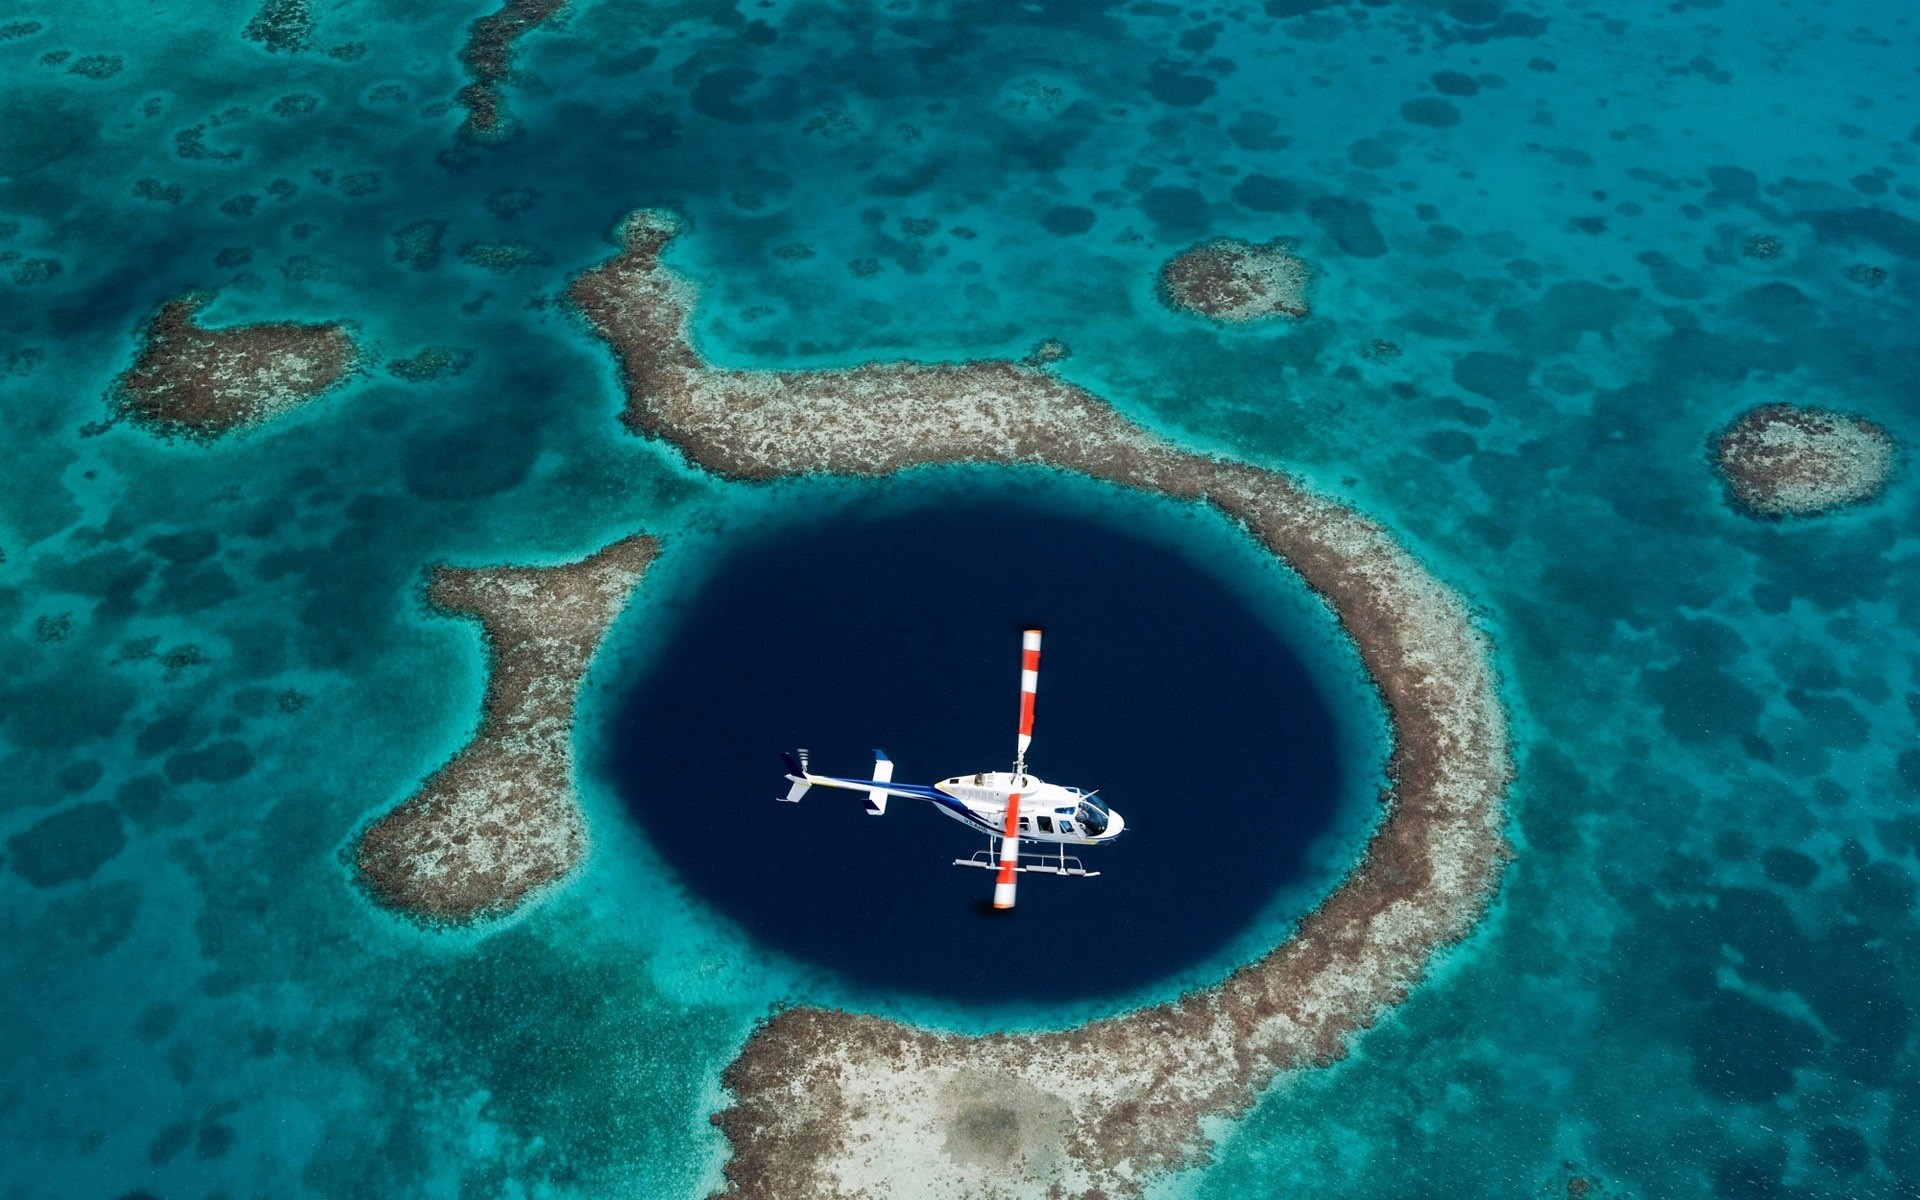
(1045, 823)
(1023, 824)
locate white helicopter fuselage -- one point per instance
(1011, 807)
(1048, 812)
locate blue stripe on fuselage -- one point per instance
(919, 791)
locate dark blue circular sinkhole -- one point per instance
(1161, 684)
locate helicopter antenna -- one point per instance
(1029, 681)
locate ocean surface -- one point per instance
(1557, 246)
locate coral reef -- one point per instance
(488, 56)
(1235, 281)
(418, 245)
(835, 1103)
(500, 819)
(434, 362)
(503, 257)
(282, 26)
(1780, 460)
(199, 383)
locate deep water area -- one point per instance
(1205, 726)
(1556, 246)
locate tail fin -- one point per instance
(882, 773)
(797, 772)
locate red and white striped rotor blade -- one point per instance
(1029, 683)
(1009, 855)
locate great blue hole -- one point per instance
(1200, 708)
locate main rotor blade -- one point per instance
(1009, 855)
(1029, 683)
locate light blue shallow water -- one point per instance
(1699, 978)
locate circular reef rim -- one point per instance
(825, 1102)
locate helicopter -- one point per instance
(1019, 812)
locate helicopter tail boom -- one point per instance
(876, 803)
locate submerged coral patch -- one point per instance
(199, 383)
(282, 26)
(69, 845)
(1236, 281)
(488, 56)
(1781, 460)
(500, 819)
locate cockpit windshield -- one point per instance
(1092, 815)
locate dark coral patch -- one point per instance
(1499, 377)
(1430, 111)
(68, 845)
(1349, 223)
(1170, 85)
(1264, 193)
(1066, 220)
(1888, 230)
(1778, 307)
(217, 762)
(1733, 183)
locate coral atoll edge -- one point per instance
(827, 1102)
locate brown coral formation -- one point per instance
(500, 819)
(194, 382)
(488, 56)
(1780, 460)
(830, 1103)
(1236, 281)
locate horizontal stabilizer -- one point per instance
(882, 773)
(797, 773)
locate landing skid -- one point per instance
(1060, 864)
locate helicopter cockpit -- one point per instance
(1092, 814)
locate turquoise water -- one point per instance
(1700, 975)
